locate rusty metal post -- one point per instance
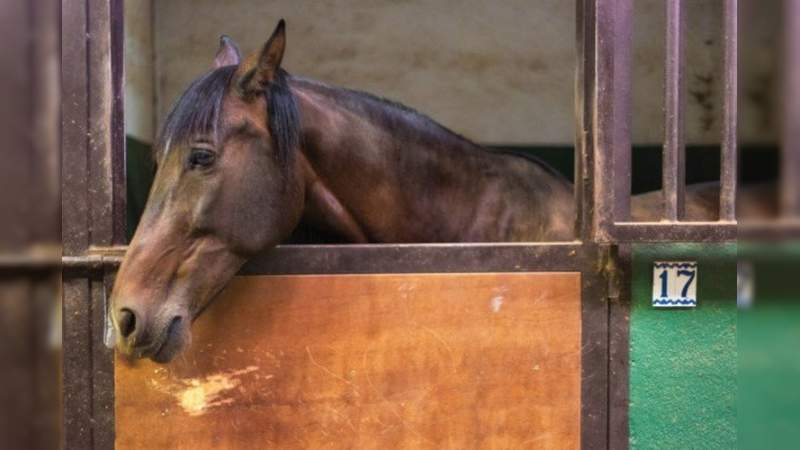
(75, 227)
(674, 157)
(729, 155)
(584, 144)
(611, 91)
(29, 203)
(92, 209)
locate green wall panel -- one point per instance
(683, 362)
(140, 168)
(769, 349)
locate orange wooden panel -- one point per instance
(368, 362)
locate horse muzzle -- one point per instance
(159, 338)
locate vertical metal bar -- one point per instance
(77, 393)
(103, 416)
(790, 136)
(44, 128)
(74, 83)
(584, 82)
(594, 348)
(29, 196)
(106, 190)
(92, 208)
(729, 157)
(119, 225)
(77, 367)
(612, 142)
(619, 307)
(100, 156)
(674, 157)
(622, 109)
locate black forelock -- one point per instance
(198, 110)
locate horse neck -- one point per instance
(393, 176)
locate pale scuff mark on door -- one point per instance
(496, 303)
(197, 395)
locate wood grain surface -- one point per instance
(368, 362)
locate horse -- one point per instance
(249, 151)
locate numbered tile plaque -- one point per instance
(674, 284)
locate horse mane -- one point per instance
(387, 112)
(384, 111)
(198, 112)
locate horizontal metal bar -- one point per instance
(419, 258)
(357, 258)
(91, 262)
(675, 232)
(782, 230)
(36, 260)
(26, 262)
(96, 259)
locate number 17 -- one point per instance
(664, 275)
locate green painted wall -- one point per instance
(769, 349)
(140, 169)
(683, 363)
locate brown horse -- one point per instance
(249, 152)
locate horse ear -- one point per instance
(228, 53)
(269, 60)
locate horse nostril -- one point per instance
(126, 319)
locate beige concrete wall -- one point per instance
(498, 72)
(139, 70)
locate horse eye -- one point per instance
(201, 157)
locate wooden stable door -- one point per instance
(490, 360)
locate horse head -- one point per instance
(228, 186)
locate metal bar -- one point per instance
(100, 103)
(621, 150)
(16, 263)
(790, 155)
(729, 158)
(77, 368)
(675, 232)
(619, 305)
(44, 126)
(91, 167)
(611, 90)
(594, 348)
(77, 392)
(415, 258)
(74, 87)
(29, 179)
(772, 231)
(119, 191)
(102, 369)
(91, 262)
(108, 203)
(18, 115)
(584, 118)
(674, 156)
